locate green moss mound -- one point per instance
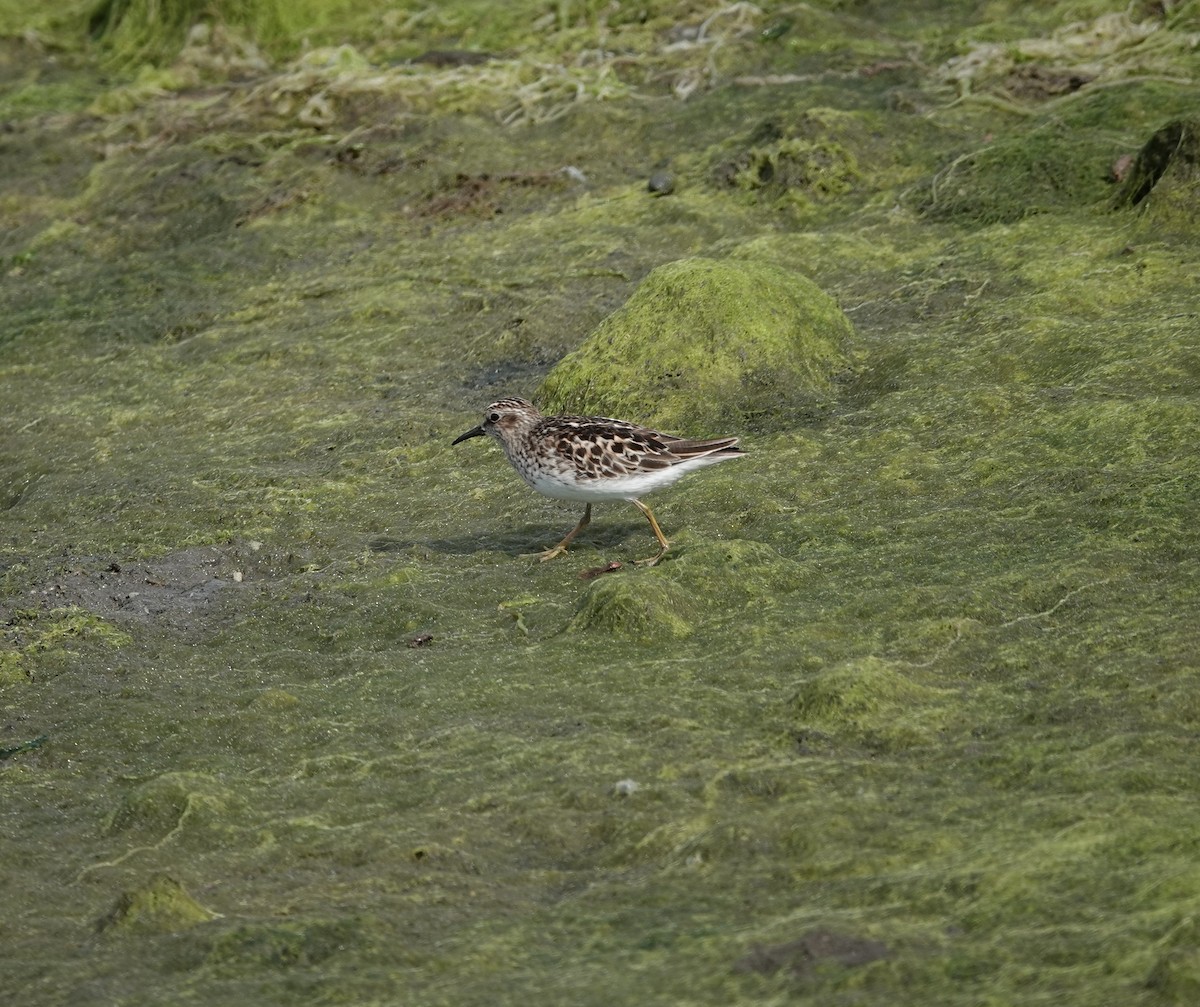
(706, 345)
(737, 571)
(1046, 169)
(1176, 973)
(1062, 159)
(640, 608)
(1164, 182)
(281, 945)
(807, 160)
(47, 639)
(168, 803)
(162, 905)
(876, 702)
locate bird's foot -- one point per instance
(651, 560)
(546, 554)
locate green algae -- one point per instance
(141, 32)
(162, 807)
(34, 638)
(1162, 181)
(282, 946)
(877, 702)
(821, 168)
(735, 572)
(1064, 158)
(162, 905)
(920, 668)
(645, 608)
(704, 342)
(1175, 974)
(1034, 172)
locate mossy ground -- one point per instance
(920, 670)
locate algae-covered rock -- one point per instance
(737, 571)
(706, 346)
(805, 160)
(1176, 973)
(162, 905)
(44, 639)
(640, 608)
(164, 805)
(282, 945)
(1164, 181)
(875, 702)
(1041, 170)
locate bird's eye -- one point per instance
(493, 417)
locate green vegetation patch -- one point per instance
(810, 160)
(285, 945)
(1175, 975)
(644, 607)
(705, 344)
(166, 805)
(876, 703)
(162, 905)
(36, 641)
(1164, 180)
(1017, 176)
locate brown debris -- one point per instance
(597, 571)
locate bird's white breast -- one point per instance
(562, 483)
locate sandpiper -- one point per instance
(593, 458)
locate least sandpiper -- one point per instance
(592, 458)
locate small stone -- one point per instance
(662, 183)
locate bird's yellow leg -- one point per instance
(561, 548)
(664, 545)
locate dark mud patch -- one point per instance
(175, 591)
